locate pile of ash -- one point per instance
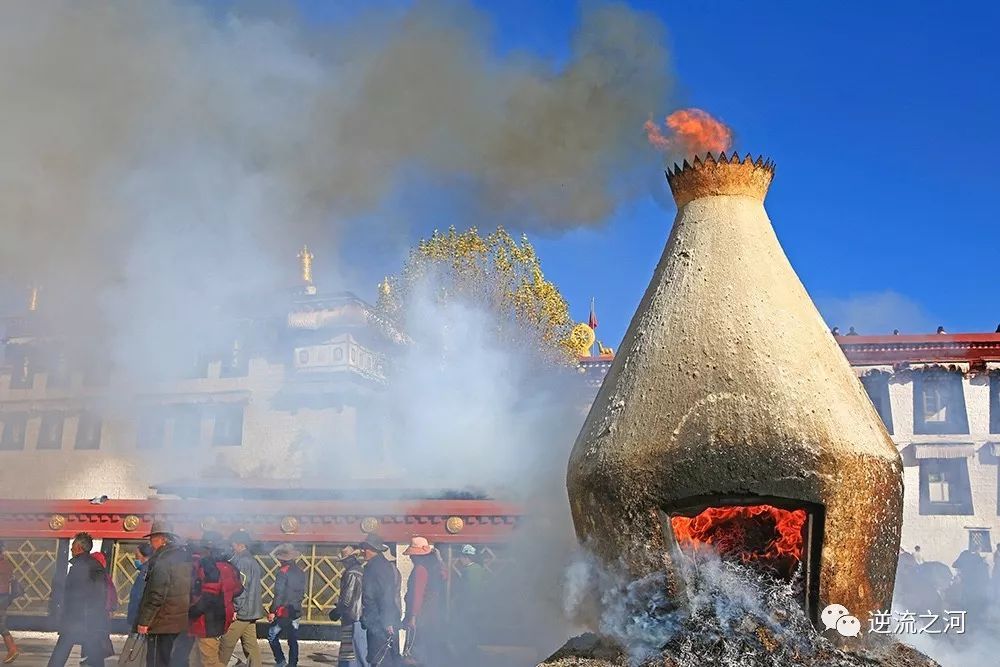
(733, 616)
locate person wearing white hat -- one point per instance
(426, 641)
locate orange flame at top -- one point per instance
(690, 132)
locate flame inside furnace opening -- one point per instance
(751, 534)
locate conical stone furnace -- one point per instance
(730, 418)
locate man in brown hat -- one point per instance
(289, 590)
(353, 642)
(380, 604)
(163, 610)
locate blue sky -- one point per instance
(880, 117)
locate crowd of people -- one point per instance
(967, 585)
(193, 602)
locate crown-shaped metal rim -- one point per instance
(720, 174)
(734, 158)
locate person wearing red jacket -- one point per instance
(215, 584)
(426, 641)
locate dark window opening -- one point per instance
(877, 387)
(50, 433)
(994, 402)
(228, 430)
(979, 540)
(88, 431)
(939, 403)
(944, 487)
(151, 433)
(187, 426)
(22, 370)
(14, 428)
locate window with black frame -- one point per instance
(50, 431)
(187, 427)
(979, 540)
(14, 429)
(228, 428)
(944, 487)
(877, 387)
(939, 403)
(22, 367)
(88, 431)
(995, 402)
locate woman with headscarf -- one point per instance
(426, 641)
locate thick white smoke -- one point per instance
(158, 160)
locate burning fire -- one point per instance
(689, 132)
(744, 532)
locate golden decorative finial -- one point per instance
(33, 298)
(306, 260)
(724, 175)
(385, 287)
(581, 339)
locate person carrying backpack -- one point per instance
(214, 587)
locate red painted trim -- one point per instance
(970, 348)
(318, 522)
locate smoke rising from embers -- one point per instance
(154, 154)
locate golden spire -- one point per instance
(306, 260)
(33, 298)
(385, 287)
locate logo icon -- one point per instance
(837, 617)
(849, 626)
(832, 614)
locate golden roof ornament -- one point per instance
(306, 265)
(581, 339)
(725, 175)
(385, 287)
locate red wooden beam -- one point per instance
(333, 521)
(972, 348)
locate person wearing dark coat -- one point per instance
(83, 614)
(166, 600)
(380, 604)
(141, 557)
(426, 638)
(353, 642)
(285, 610)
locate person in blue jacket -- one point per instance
(142, 554)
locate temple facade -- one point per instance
(272, 402)
(939, 398)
